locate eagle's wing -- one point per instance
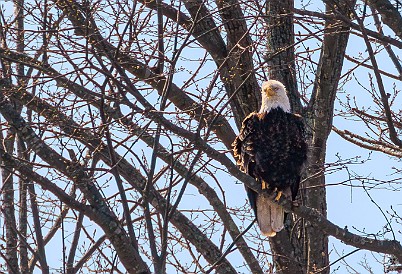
(300, 148)
(244, 152)
(243, 145)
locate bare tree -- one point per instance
(117, 120)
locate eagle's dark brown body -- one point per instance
(271, 147)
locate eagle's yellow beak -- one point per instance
(270, 92)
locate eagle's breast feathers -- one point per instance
(271, 147)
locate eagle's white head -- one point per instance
(273, 96)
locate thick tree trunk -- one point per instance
(286, 249)
(280, 46)
(239, 79)
(319, 119)
(307, 250)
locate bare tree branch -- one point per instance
(387, 47)
(392, 247)
(384, 97)
(38, 229)
(88, 254)
(87, 27)
(90, 96)
(8, 208)
(102, 215)
(348, 21)
(205, 246)
(368, 143)
(389, 15)
(70, 127)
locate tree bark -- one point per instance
(241, 84)
(319, 116)
(8, 209)
(309, 248)
(280, 46)
(389, 15)
(286, 249)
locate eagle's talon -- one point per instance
(264, 185)
(278, 196)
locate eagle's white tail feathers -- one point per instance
(269, 215)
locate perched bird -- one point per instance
(271, 147)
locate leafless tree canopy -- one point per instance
(117, 119)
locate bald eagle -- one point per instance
(271, 148)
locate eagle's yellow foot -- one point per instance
(278, 196)
(264, 185)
